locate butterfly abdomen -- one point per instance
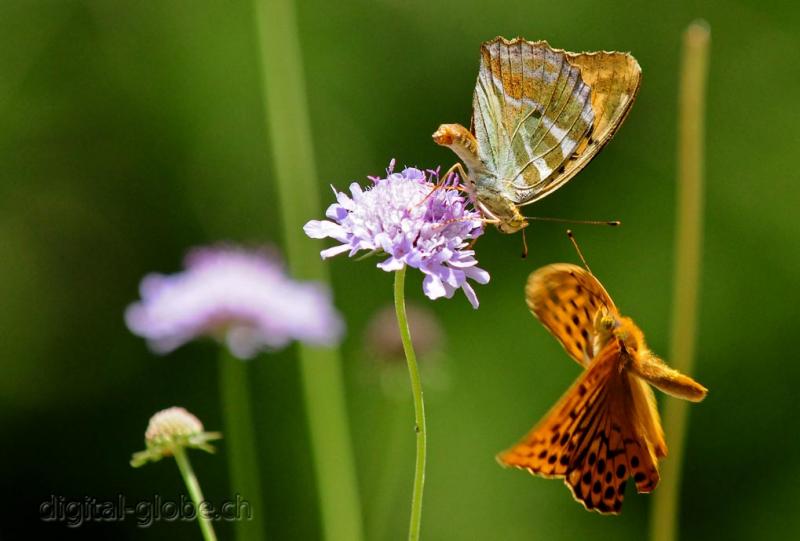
(667, 379)
(461, 141)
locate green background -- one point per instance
(131, 131)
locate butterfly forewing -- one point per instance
(566, 298)
(548, 448)
(588, 440)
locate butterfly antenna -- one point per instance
(577, 249)
(612, 223)
(524, 246)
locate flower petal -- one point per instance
(334, 251)
(471, 296)
(391, 264)
(433, 287)
(319, 229)
(479, 275)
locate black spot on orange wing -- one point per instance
(565, 298)
(640, 465)
(580, 439)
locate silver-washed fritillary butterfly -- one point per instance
(538, 116)
(606, 428)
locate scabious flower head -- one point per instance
(403, 217)
(243, 298)
(169, 429)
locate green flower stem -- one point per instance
(194, 492)
(298, 200)
(664, 523)
(419, 404)
(240, 447)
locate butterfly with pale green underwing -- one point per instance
(539, 115)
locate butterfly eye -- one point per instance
(607, 322)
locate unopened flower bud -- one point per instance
(169, 429)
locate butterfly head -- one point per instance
(611, 326)
(604, 325)
(512, 225)
(495, 209)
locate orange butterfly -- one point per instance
(606, 427)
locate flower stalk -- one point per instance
(664, 522)
(193, 486)
(412, 222)
(287, 121)
(241, 451)
(419, 405)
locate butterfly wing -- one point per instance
(646, 421)
(588, 438)
(531, 112)
(614, 79)
(565, 298)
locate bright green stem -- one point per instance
(419, 404)
(240, 443)
(194, 492)
(664, 524)
(295, 178)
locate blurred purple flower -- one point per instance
(242, 298)
(402, 217)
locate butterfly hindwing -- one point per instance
(566, 298)
(531, 111)
(614, 79)
(646, 420)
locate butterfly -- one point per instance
(606, 428)
(539, 115)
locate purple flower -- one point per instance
(403, 217)
(242, 298)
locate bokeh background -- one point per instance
(131, 131)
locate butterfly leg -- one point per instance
(456, 168)
(442, 183)
(472, 243)
(490, 221)
(524, 246)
